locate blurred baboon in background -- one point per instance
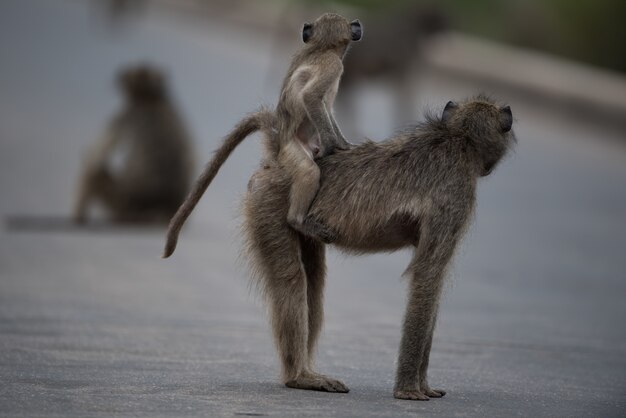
(391, 52)
(140, 171)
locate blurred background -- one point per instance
(93, 322)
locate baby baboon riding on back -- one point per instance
(301, 129)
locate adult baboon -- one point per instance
(155, 171)
(415, 189)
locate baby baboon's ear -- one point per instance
(506, 119)
(307, 32)
(357, 30)
(449, 110)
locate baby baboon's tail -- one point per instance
(260, 120)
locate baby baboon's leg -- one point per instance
(314, 261)
(305, 177)
(426, 273)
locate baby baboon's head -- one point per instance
(142, 83)
(331, 31)
(485, 125)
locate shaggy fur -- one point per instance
(416, 189)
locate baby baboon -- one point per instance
(154, 176)
(306, 126)
(302, 127)
(415, 189)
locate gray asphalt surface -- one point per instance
(93, 323)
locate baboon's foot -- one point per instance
(433, 393)
(317, 230)
(411, 395)
(314, 381)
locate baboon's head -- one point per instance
(331, 31)
(485, 125)
(142, 83)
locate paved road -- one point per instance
(95, 324)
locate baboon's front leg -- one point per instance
(426, 273)
(420, 309)
(423, 372)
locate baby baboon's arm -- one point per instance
(342, 141)
(313, 98)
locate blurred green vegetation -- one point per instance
(592, 31)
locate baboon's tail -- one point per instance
(260, 120)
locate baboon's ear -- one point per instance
(357, 30)
(448, 110)
(307, 32)
(506, 119)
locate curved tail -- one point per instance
(260, 120)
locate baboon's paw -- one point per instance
(411, 395)
(433, 393)
(318, 382)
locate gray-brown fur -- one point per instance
(300, 129)
(416, 189)
(155, 174)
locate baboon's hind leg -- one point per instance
(285, 286)
(314, 259)
(313, 256)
